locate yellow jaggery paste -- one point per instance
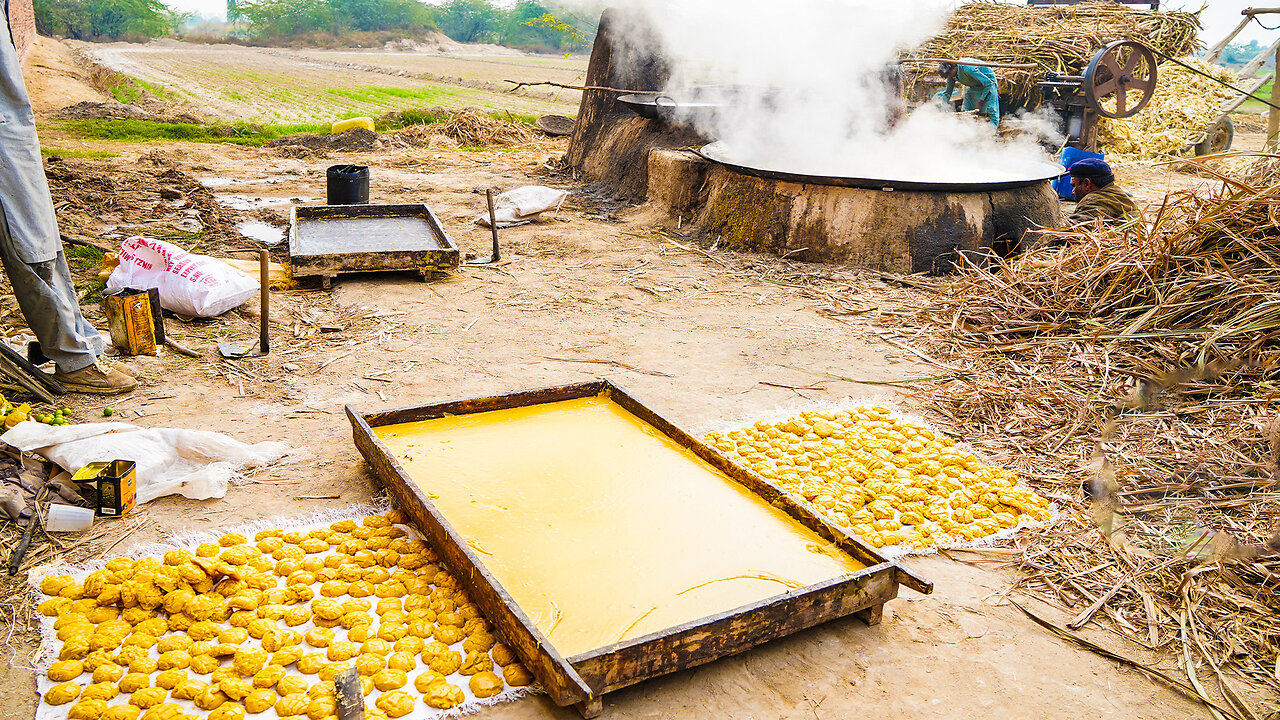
(602, 528)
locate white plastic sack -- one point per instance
(189, 284)
(523, 205)
(196, 464)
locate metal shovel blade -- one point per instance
(350, 696)
(234, 350)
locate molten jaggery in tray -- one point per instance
(610, 546)
(602, 528)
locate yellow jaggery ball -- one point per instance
(448, 634)
(100, 691)
(369, 664)
(260, 700)
(170, 679)
(74, 648)
(148, 697)
(108, 672)
(310, 663)
(268, 676)
(210, 698)
(188, 690)
(321, 708)
(292, 704)
(319, 637)
(485, 684)
(55, 584)
(402, 661)
(297, 616)
(285, 656)
(133, 682)
(503, 654)
(164, 711)
(248, 661)
(443, 695)
(87, 710)
(122, 712)
(174, 660)
(291, 684)
(54, 607)
(476, 662)
(236, 688)
(360, 633)
(395, 704)
(62, 694)
(331, 670)
(516, 675)
(390, 679)
(228, 711)
(65, 670)
(327, 609)
(446, 663)
(204, 664)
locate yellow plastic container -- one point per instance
(344, 125)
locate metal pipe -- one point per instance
(264, 339)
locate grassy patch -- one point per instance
(1253, 106)
(84, 257)
(251, 134)
(374, 95)
(86, 154)
(401, 119)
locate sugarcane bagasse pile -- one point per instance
(242, 627)
(888, 480)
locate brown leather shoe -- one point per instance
(98, 379)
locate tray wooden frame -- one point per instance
(583, 679)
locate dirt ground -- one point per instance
(704, 337)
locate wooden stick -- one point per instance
(519, 85)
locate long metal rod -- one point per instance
(493, 224)
(264, 332)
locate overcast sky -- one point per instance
(1219, 17)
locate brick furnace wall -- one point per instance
(22, 24)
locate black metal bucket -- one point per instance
(348, 185)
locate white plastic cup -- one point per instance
(68, 518)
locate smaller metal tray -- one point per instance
(330, 240)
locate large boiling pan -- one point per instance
(720, 154)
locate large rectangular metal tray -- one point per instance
(329, 240)
(583, 679)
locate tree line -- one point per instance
(528, 23)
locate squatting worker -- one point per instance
(980, 91)
(31, 248)
(1097, 194)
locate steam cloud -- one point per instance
(811, 99)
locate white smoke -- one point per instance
(810, 98)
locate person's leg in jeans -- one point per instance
(48, 302)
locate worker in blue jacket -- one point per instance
(980, 92)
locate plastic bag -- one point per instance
(197, 464)
(189, 284)
(523, 205)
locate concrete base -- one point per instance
(896, 231)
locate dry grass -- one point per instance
(1140, 362)
(471, 127)
(1058, 38)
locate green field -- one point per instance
(1253, 106)
(282, 87)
